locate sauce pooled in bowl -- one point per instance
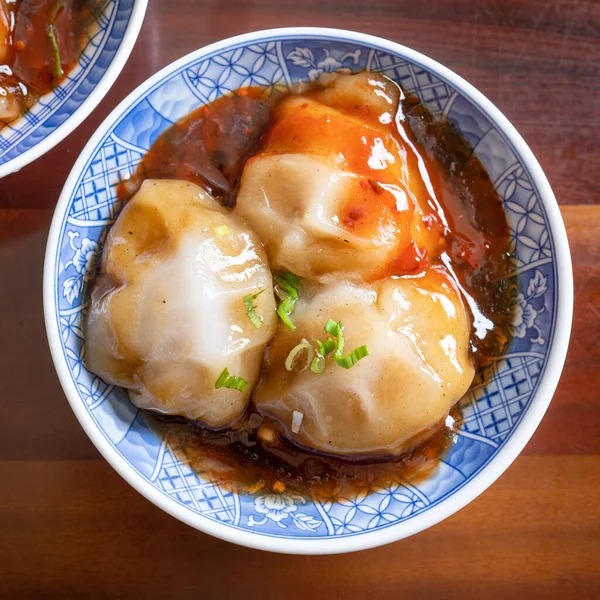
(300, 288)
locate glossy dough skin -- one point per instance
(417, 331)
(167, 312)
(335, 188)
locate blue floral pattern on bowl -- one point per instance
(105, 30)
(491, 411)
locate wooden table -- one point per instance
(71, 527)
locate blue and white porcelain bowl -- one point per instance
(111, 32)
(498, 416)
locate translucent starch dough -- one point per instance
(337, 194)
(167, 312)
(335, 188)
(417, 332)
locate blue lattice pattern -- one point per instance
(491, 411)
(364, 512)
(413, 78)
(256, 65)
(180, 481)
(493, 406)
(96, 198)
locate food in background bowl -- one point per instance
(186, 468)
(40, 42)
(344, 211)
(58, 58)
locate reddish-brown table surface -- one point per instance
(71, 527)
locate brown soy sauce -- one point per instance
(33, 61)
(235, 459)
(209, 147)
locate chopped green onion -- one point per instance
(58, 70)
(293, 280)
(318, 364)
(222, 378)
(257, 320)
(291, 364)
(233, 382)
(285, 309)
(289, 282)
(323, 349)
(236, 383)
(287, 288)
(331, 327)
(339, 346)
(336, 329)
(316, 358)
(222, 230)
(349, 361)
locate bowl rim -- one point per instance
(103, 86)
(472, 488)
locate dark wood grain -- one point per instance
(70, 527)
(98, 536)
